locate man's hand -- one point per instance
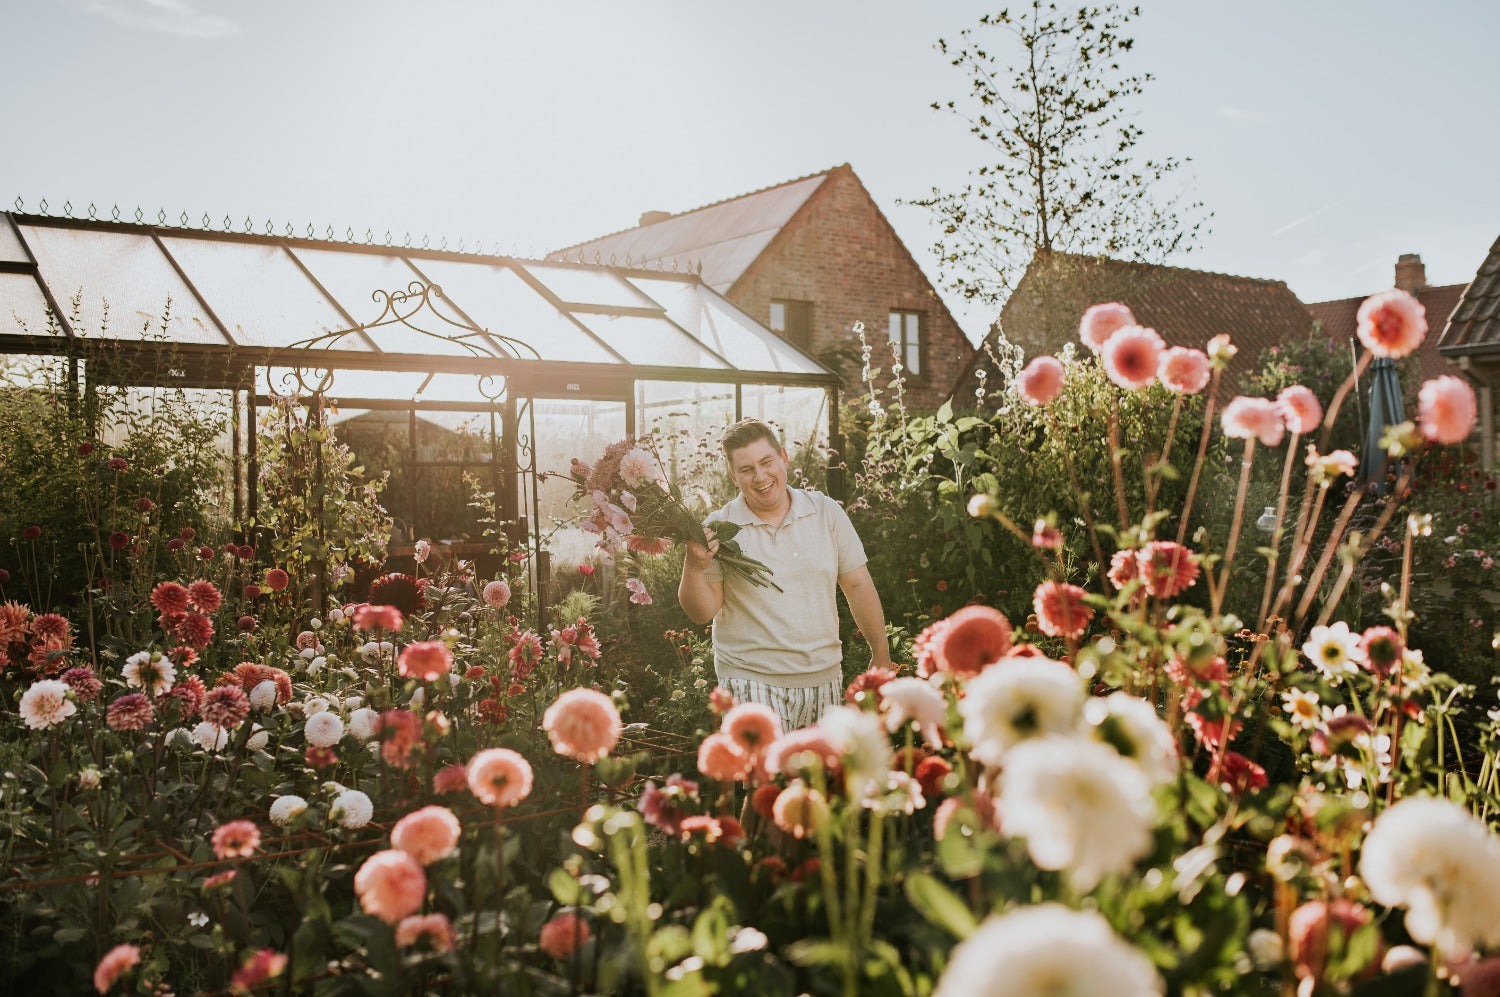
(698, 555)
(700, 598)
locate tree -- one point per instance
(1067, 177)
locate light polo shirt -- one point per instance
(788, 638)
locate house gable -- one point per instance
(840, 254)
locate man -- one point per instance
(781, 649)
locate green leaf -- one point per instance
(940, 905)
(566, 890)
(815, 952)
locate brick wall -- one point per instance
(841, 254)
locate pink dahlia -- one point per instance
(721, 757)
(1123, 568)
(195, 630)
(499, 777)
(1131, 357)
(1060, 609)
(1383, 648)
(497, 594)
(1391, 324)
(752, 726)
(115, 964)
(1040, 381)
(563, 935)
(427, 834)
(433, 929)
(277, 579)
(964, 643)
(170, 597)
(204, 595)
(583, 725)
(236, 840)
(1244, 418)
(1299, 409)
(666, 807)
(867, 681)
(378, 618)
(84, 683)
(1102, 321)
(264, 965)
(1447, 409)
(1184, 371)
(391, 885)
(132, 711)
(428, 660)
(226, 706)
(800, 750)
(1166, 568)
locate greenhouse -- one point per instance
(455, 363)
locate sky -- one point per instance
(1325, 136)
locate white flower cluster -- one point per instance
(324, 729)
(285, 809)
(1047, 949)
(1442, 864)
(1076, 774)
(352, 809)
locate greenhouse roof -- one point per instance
(269, 301)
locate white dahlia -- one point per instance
(46, 704)
(285, 809)
(323, 730)
(1047, 949)
(352, 809)
(1079, 805)
(1442, 864)
(1016, 699)
(1131, 726)
(914, 701)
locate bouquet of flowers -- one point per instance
(635, 508)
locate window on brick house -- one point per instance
(792, 321)
(906, 340)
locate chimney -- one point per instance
(652, 217)
(1411, 275)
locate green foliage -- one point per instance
(321, 520)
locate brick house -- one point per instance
(1186, 307)
(808, 258)
(1338, 318)
(1471, 342)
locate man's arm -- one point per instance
(699, 597)
(864, 606)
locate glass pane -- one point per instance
(258, 292)
(353, 278)
(778, 317)
(587, 285)
(501, 302)
(687, 418)
(565, 429)
(11, 250)
(23, 310)
(800, 415)
(428, 498)
(894, 327)
(124, 270)
(650, 342)
(734, 335)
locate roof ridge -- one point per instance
(702, 207)
(1168, 266)
(1361, 297)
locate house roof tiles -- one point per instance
(719, 240)
(1474, 325)
(1186, 307)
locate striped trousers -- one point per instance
(795, 708)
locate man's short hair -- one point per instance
(746, 432)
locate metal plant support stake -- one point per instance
(514, 472)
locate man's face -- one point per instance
(760, 469)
